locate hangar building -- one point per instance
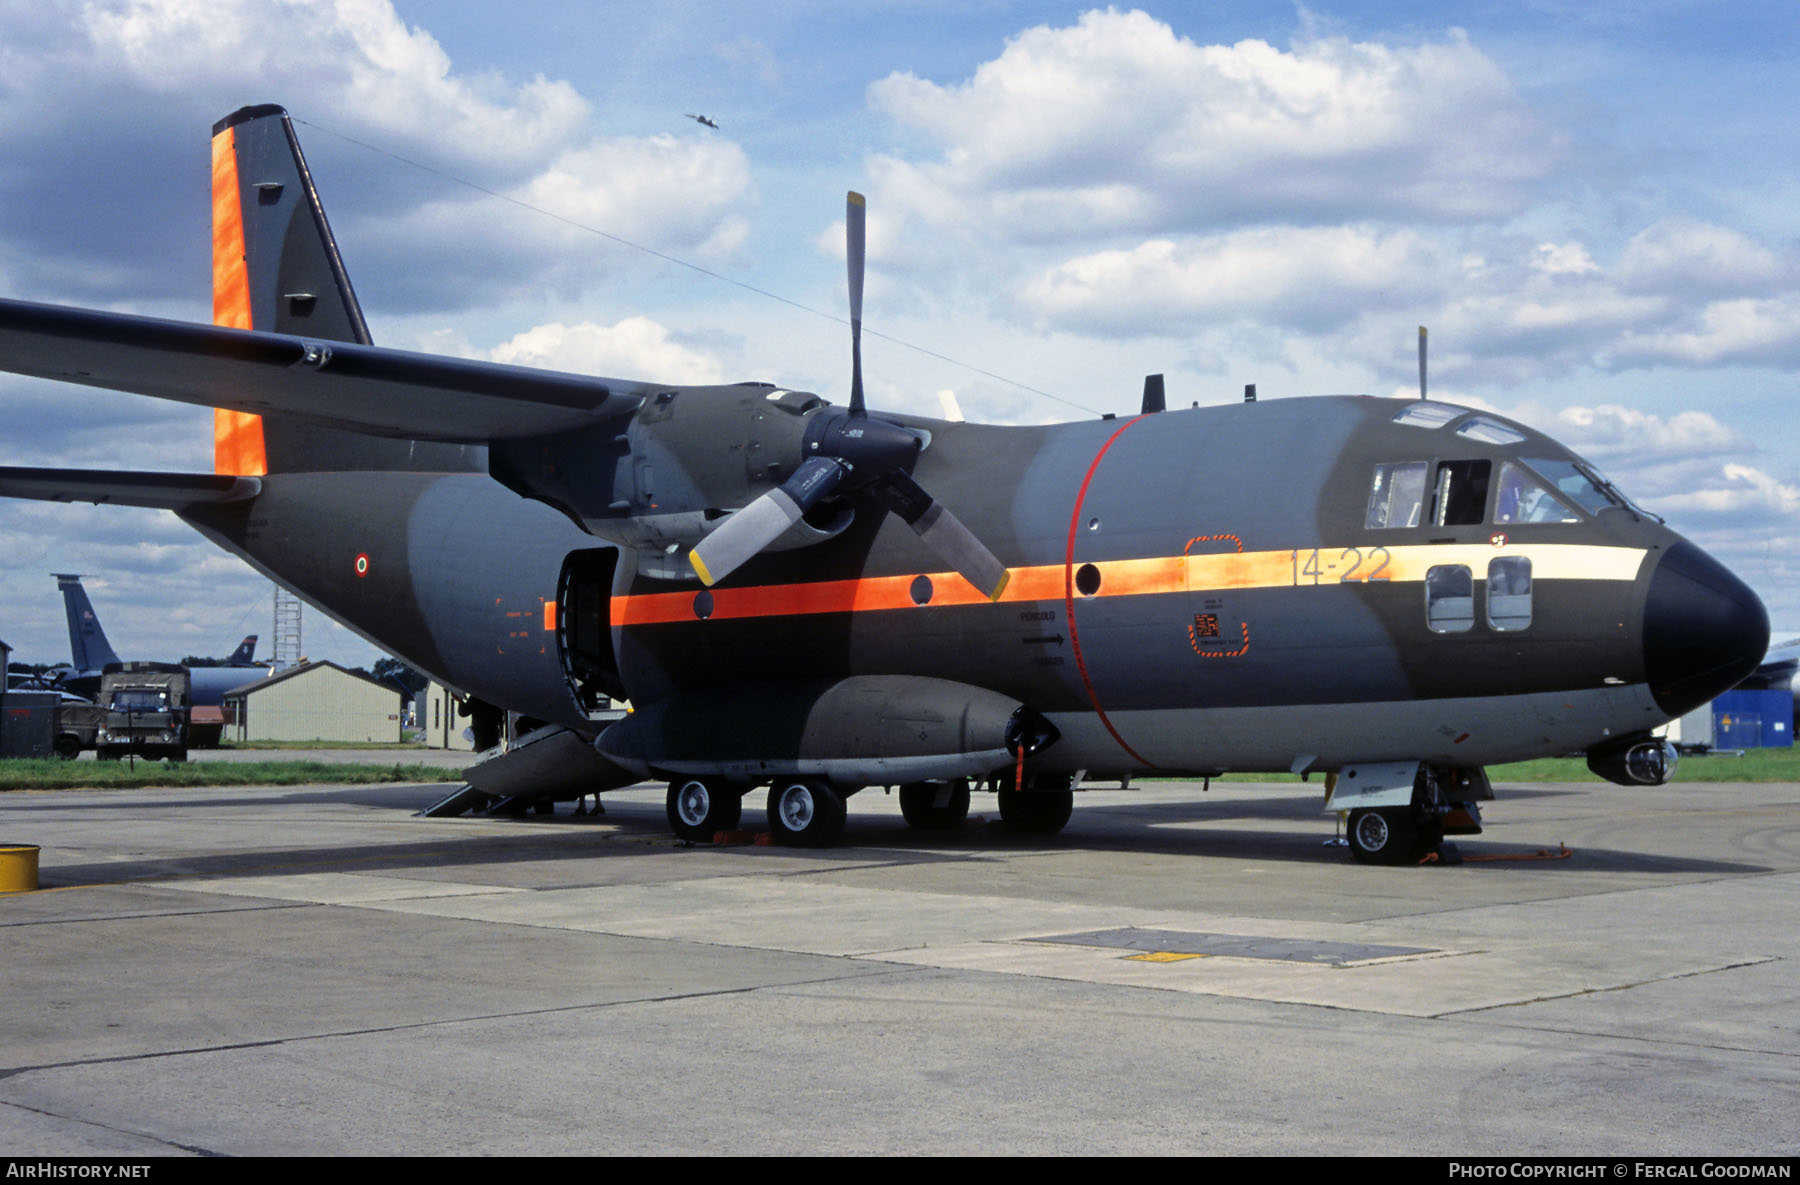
(314, 701)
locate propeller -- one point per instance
(855, 211)
(855, 454)
(1421, 362)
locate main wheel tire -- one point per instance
(935, 806)
(1388, 835)
(805, 813)
(67, 746)
(1036, 812)
(700, 807)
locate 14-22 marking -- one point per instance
(1362, 566)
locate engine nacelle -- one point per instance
(860, 731)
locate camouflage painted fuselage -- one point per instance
(1194, 590)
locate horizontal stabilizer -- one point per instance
(360, 388)
(159, 491)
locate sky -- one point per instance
(1593, 209)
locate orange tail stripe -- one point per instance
(237, 436)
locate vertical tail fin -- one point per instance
(245, 654)
(276, 267)
(88, 648)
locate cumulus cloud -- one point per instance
(1611, 430)
(565, 229)
(1317, 277)
(1740, 488)
(1746, 330)
(635, 348)
(414, 238)
(1563, 259)
(1138, 182)
(1117, 123)
(356, 59)
(1687, 466)
(1681, 254)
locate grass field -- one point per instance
(1752, 765)
(55, 774)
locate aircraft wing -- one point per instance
(160, 491)
(367, 389)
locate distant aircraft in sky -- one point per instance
(701, 119)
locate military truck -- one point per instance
(78, 724)
(147, 707)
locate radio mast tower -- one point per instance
(285, 640)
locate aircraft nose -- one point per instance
(1704, 630)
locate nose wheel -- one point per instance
(1391, 835)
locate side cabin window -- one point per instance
(1509, 592)
(1449, 598)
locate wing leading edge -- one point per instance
(368, 389)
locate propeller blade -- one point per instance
(945, 534)
(743, 536)
(854, 250)
(1421, 362)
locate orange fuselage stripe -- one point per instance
(1142, 577)
(237, 436)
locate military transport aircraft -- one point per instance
(819, 599)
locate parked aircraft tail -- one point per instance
(88, 648)
(245, 654)
(276, 267)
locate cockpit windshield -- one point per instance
(1575, 485)
(1524, 498)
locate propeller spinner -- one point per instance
(856, 455)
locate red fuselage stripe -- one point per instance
(1069, 594)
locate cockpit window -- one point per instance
(1459, 493)
(1428, 415)
(1397, 495)
(1524, 498)
(1574, 485)
(1490, 432)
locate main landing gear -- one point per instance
(805, 812)
(935, 806)
(699, 808)
(810, 813)
(1043, 807)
